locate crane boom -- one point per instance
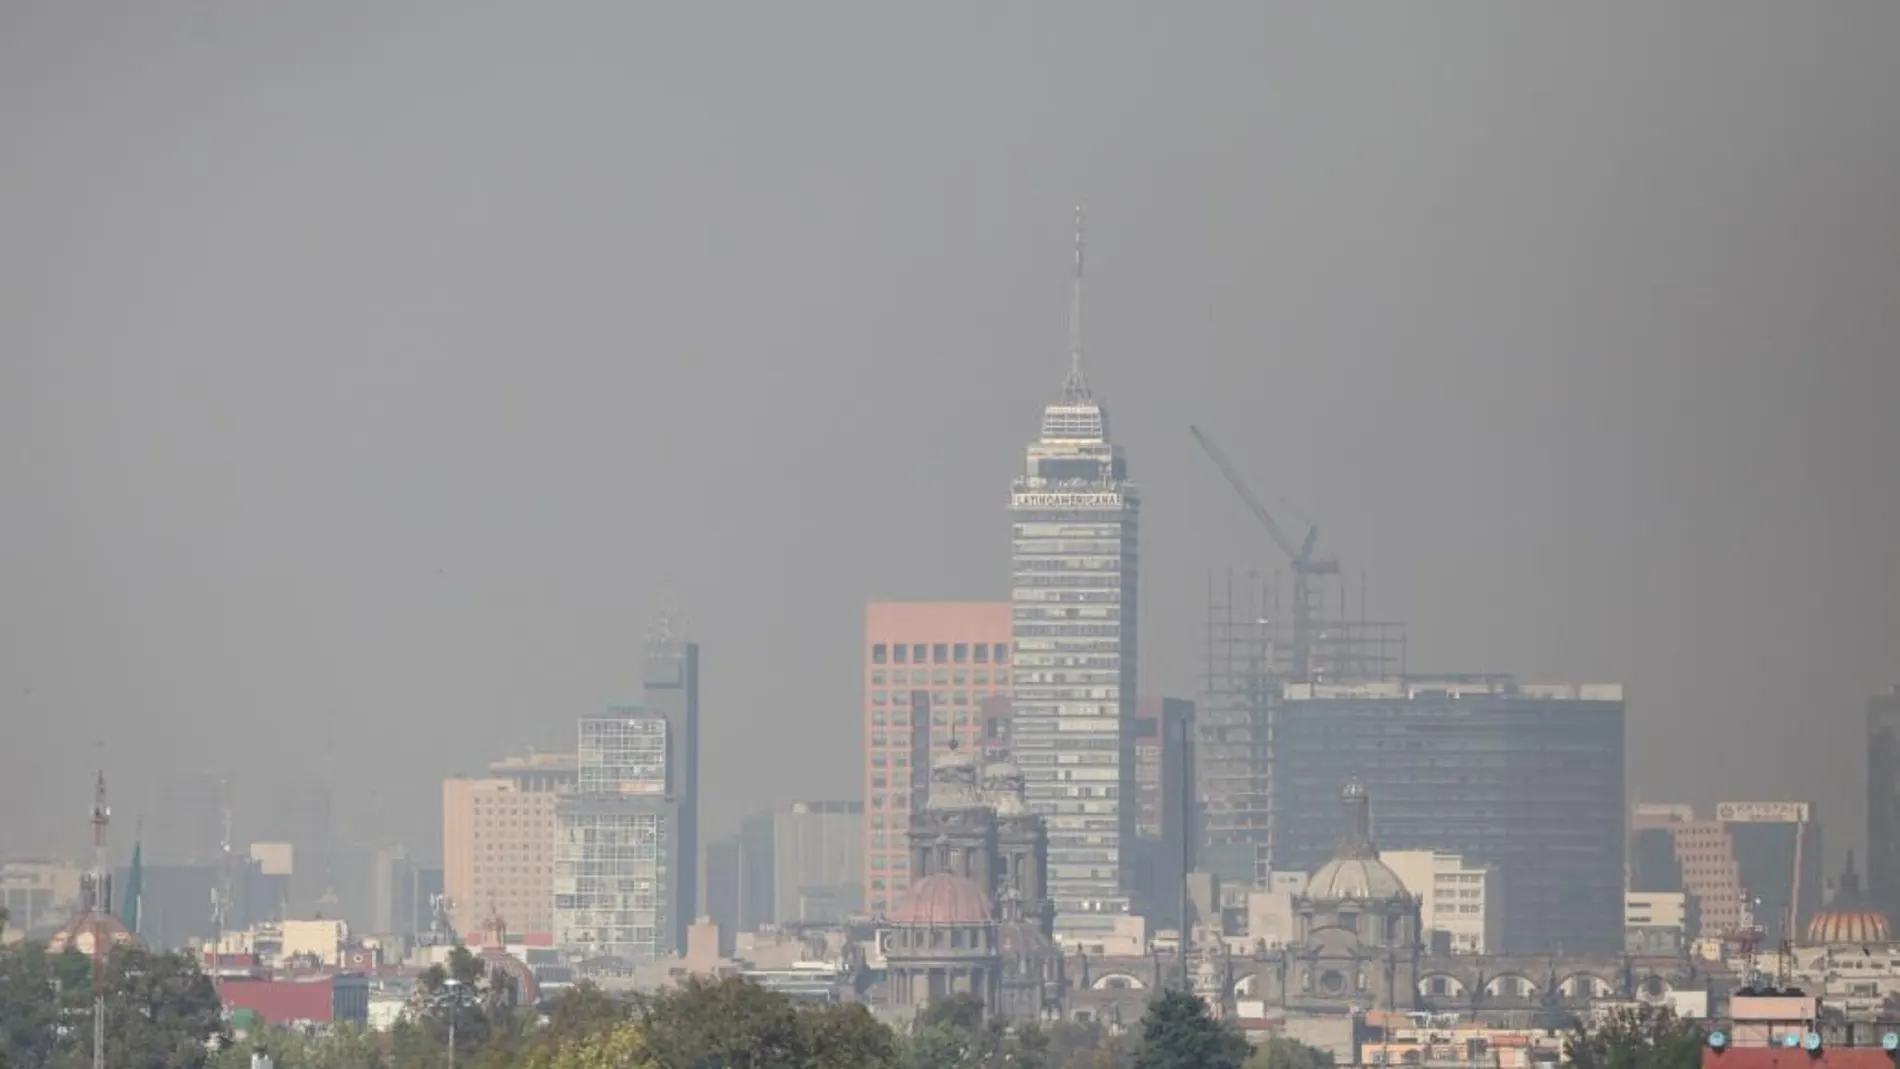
(1299, 554)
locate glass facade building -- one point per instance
(626, 850)
(1525, 779)
(614, 844)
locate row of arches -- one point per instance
(1578, 986)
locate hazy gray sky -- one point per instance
(390, 365)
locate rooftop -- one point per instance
(1455, 686)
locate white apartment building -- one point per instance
(1461, 901)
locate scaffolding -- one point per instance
(1233, 748)
(1250, 655)
(1357, 649)
(1345, 647)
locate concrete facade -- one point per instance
(1074, 584)
(949, 658)
(498, 854)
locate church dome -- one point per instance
(1359, 879)
(1848, 918)
(944, 898)
(1853, 926)
(1355, 872)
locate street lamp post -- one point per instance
(454, 987)
(454, 996)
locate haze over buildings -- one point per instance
(339, 446)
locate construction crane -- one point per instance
(1305, 567)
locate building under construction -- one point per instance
(1256, 647)
(1251, 655)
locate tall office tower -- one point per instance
(1073, 570)
(928, 668)
(498, 855)
(1163, 767)
(670, 690)
(1765, 853)
(817, 862)
(1883, 801)
(616, 843)
(1524, 779)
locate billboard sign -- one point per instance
(1762, 812)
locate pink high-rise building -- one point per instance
(928, 668)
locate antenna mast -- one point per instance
(1075, 389)
(221, 898)
(1747, 936)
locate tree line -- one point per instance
(162, 1012)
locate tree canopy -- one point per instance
(163, 1013)
(1281, 1052)
(1178, 1032)
(1638, 1037)
(161, 1010)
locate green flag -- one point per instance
(134, 887)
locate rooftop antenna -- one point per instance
(221, 898)
(1075, 389)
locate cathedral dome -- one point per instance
(944, 898)
(1854, 926)
(1359, 879)
(1355, 872)
(1848, 918)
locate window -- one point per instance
(940, 653)
(960, 652)
(1001, 653)
(897, 654)
(877, 653)
(982, 652)
(917, 653)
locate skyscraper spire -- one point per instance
(1075, 389)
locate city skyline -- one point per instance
(354, 446)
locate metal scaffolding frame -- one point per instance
(1233, 748)
(1250, 655)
